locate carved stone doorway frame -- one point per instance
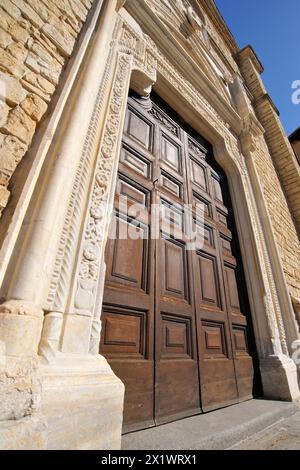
(65, 299)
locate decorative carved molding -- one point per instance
(196, 149)
(97, 219)
(160, 116)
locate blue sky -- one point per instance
(272, 27)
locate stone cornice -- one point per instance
(248, 52)
(217, 19)
(266, 97)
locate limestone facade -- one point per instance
(58, 392)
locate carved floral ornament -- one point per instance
(131, 52)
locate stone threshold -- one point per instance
(216, 430)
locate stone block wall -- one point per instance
(36, 39)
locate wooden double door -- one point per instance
(175, 320)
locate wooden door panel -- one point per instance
(214, 340)
(122, 252)
(199, 176)
(171, 154)
(209, 286)
(124, 331)
(171, 184)
(176, 337)
(174, 269)
(218, 387)
(176, 363)
(125, 342)
(132, 160)
(231, 284)
(138, 128)
(243, 362)
(177, 390)
(203, 204)
(138, 378)
(217, 190)
(134, 193)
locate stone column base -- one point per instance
(82, 401)
(29, 433)
(279, 378)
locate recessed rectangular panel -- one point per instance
(222, 218)
(171, 215)
(226, 244)
(129, 254)
(202, 205)
(214, 339)
(217, 190)
(240, 339)
(139, 129)
(170, 184)
(209, 279)
(138, 163)
(171, 153)
(175, 269)
(176, 336)
(123, 332)
(199, 175)
(232, 288)
(135, 194)
(204, 235)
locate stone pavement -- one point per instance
(283, 435)
(255, 424)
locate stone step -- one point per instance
(217, 430)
